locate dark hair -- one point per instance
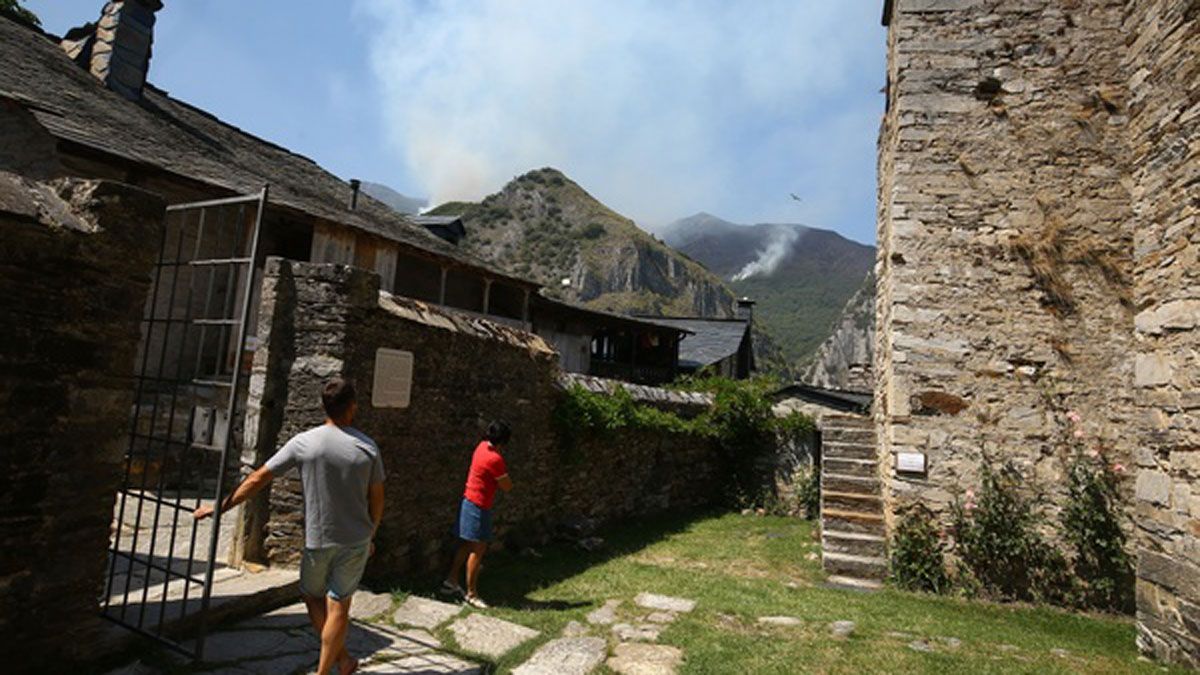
(498, 433)
(337, 396)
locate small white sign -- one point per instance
(910, 462)
(393, 378)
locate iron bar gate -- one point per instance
(162, 563)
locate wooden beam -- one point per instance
(442, 289)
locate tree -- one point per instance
(13, 9)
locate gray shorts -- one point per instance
(333, 571)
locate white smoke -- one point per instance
(777, 250)
(659, 108)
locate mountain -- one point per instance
(399, 203)
(844, 359)
(802, 277)
(545, 227)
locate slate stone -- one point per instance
(575, 629)
(565, 656)
(292, 616)
(639, 633)
(367, 604)
(841, 629)
(423, 664)
(665, 603)
(780, 620)
(424, 613)
(236, 645)
(604, 615)
(644, 659)
(661, 617)
(489, 636)
(920, 646)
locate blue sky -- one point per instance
(660, 108)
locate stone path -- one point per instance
(404, 640)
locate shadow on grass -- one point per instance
(509, 577)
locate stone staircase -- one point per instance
(853, 534)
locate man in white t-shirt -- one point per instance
(342, 476)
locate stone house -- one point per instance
(99, 118)
(723, 347)
(1037, 263)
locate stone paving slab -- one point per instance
(637, 658)
(637, 633)
(425, 613)
(565, 656)
(489, 636)
(367, 604)
(604, 615)
(424, 664)
(780, 620)
(664, 603)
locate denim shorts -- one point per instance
(474, 522)
(333, 571)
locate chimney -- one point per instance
(745, 309)
(355, 185)
(116, 49)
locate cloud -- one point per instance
(659, 107)
(778, 247)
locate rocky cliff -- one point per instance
(843, 361)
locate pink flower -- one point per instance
(1119, 468)
(970, 495)
(1073, 416)
(1079, 433)
(1093, 453)
(970, 506)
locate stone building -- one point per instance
(1038, 260)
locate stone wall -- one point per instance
(1163, 62)
(74, 272)
(318, 320)
(1004, 260)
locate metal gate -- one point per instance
(162, 563)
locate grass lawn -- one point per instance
(739, 568)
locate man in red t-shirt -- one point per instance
(487, 473)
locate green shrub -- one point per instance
(1091, 523)
(918, 552)
(592, 231)
(998, 542)
(807, 483)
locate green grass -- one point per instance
(740, 568)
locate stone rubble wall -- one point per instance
(319, 320)
(1163, 62)
(1004, 253)
(75, 271)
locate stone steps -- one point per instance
(835, 450)
(859, 485)
(847, 466)
(848, 521)
(855, 566)
(854, 543)
(851, 502)
(852, 583)
(848, 435)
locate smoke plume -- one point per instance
(658, 107)
(778, 248)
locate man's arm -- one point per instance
(504, 483)
(248, 488)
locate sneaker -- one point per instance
(476, 602)
(451, 588)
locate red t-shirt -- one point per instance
(486, 466)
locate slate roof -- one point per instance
(839, 399)
(173, 136)
(713, 339)
(568, 308)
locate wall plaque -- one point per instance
(910, 462)
(393, 378)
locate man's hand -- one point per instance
(202, 512)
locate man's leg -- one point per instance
(333, 637)
(475, 549)
(317, 614)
